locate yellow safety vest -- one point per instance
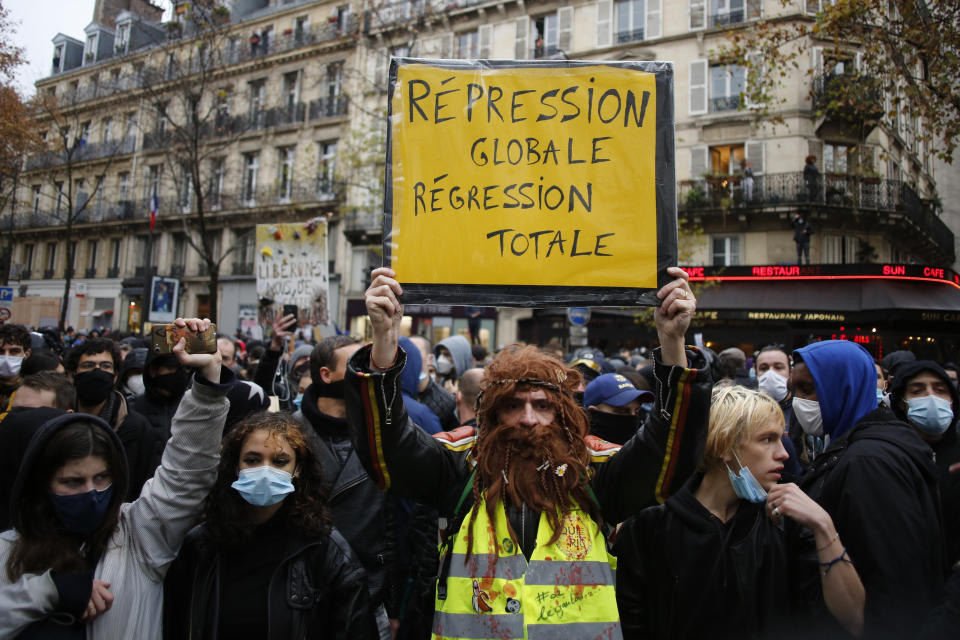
(565, 592)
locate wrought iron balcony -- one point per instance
(329, 107)
(113, 272)
(91, 272)
(243, 268)
(844, 199)
(634, 35)
(363, 227)
(724, 103)
(748, 10)
(176, 270)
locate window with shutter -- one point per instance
(698, 14)
(698, 87)
(604, 23)
(523, 38)
(654, 19)
(755, 155)
(564, 29)
(698, 162)
(485, 33)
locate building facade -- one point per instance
(309, 81)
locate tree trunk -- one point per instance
(214, 285)
(68, 272)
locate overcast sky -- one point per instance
(37, 22)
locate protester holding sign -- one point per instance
(526, 492)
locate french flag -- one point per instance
(154, 205)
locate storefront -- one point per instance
(883, 307)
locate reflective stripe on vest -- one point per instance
(471, 625)
(565, 592)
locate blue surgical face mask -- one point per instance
(82, 512)
(879, 395)
(930, 414)
(745, 485)
(298, 401)
(263, 486)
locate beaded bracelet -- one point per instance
(832, 540)
(376, 366)
(829, 564)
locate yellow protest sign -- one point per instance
(519, 182)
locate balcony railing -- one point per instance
(748, 10)
(635, 35)
(82, 153)
(724, 103)
(243, 268)
(329, 107)
(830, 191)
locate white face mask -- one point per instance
(773, 384)
(444, 365)
(135, 385)
(10, 366)
(808, 415)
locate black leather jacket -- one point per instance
(361, 512)
(319, 590)
(405, 460)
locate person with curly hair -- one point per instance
(267, 562)
(528, 494)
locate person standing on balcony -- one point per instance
(811, 176)
(801, 236)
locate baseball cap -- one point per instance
(613, 389)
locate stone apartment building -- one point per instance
(309, 79)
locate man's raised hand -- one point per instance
(673, 316)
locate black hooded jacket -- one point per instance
(17, 426)
(683, 573)
(946, 450)
(879, 484)
(364, 515)
(157, 408)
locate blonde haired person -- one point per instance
(733, 553)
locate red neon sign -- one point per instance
(825, 272)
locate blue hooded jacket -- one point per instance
(420, 413)
(846, 381)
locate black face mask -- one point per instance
(330, 389)
(93, 387)
(171, 385)
(613, 427)
(578, 398)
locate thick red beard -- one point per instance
(529, 457)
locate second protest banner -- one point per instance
(524, 183)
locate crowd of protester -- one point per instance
(286, 489)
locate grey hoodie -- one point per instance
(148, 535)
(459, 349)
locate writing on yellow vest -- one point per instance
(566, 591)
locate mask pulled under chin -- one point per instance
(82, 513)
(330, 389)
(745, 485)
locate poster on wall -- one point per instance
(164, 294)
(554, 184)
(292, 270)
